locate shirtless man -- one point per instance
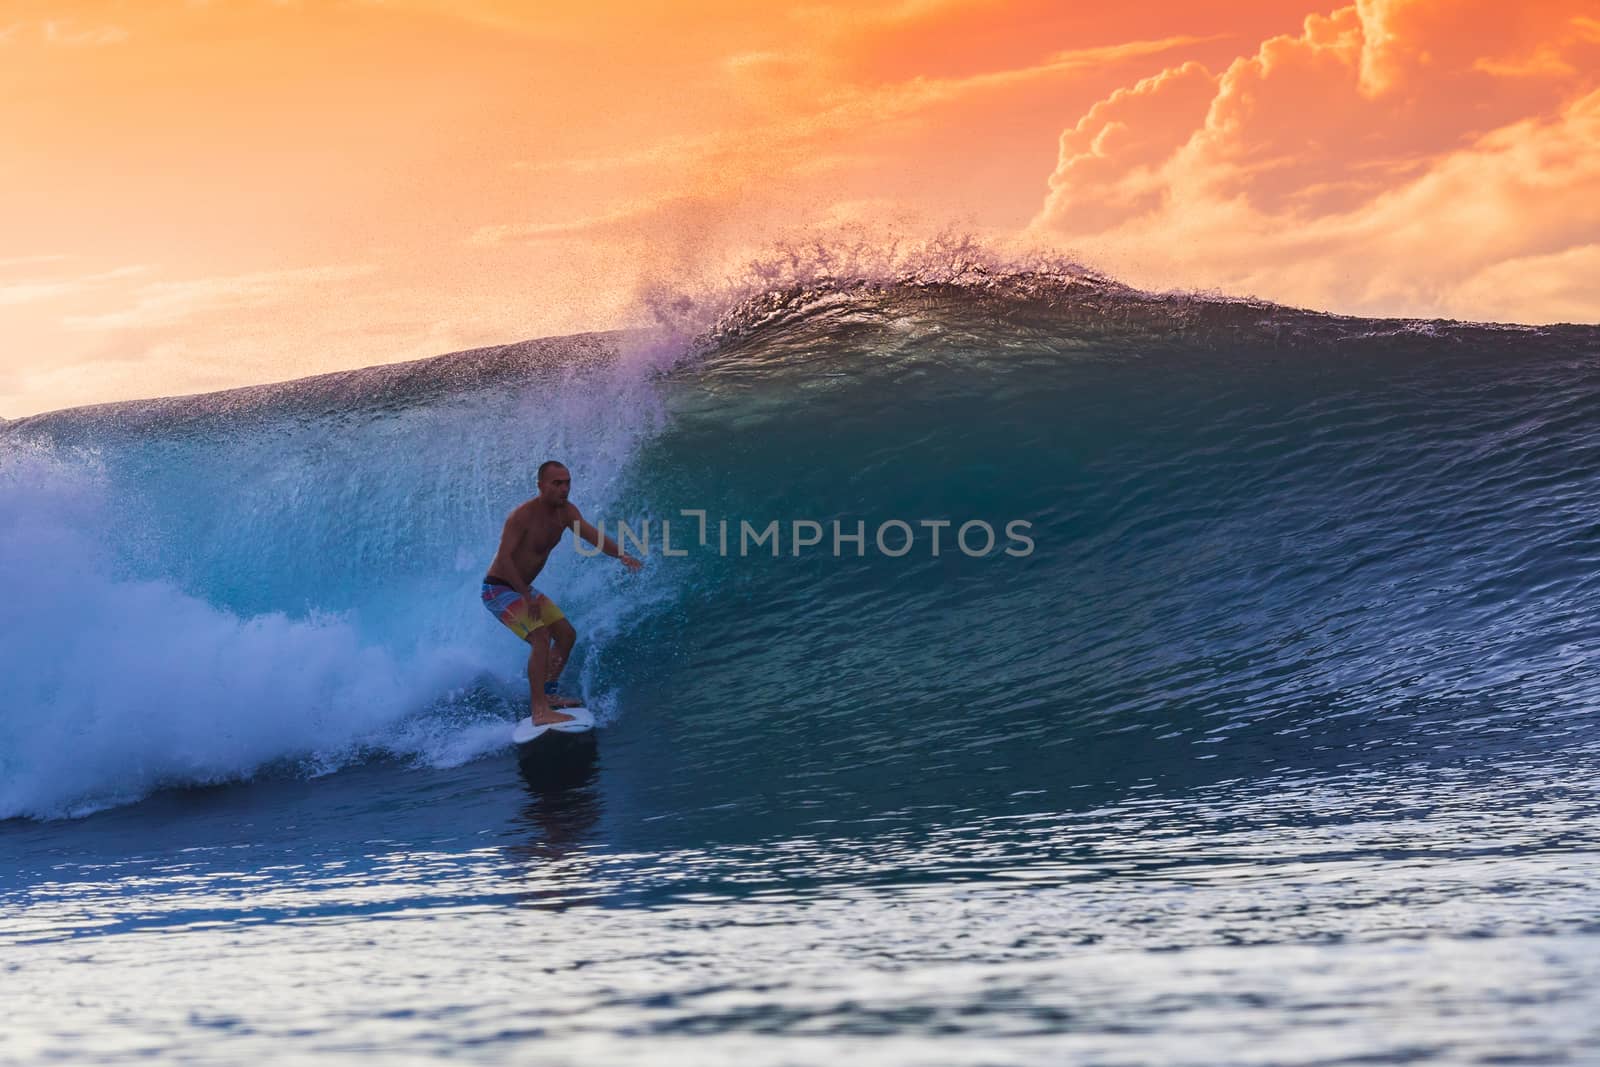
(531, 531)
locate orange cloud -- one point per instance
(1377, 161)
(39, 289)
(165, 303)
(1108, 160)
(63, 32)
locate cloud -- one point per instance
(13, 262)
(1382, 158)
(1559, 284)
(628, 214)
(165, 303)
(63, 33)
(847, 106)
(841, 108)
(1109, 160)
(666, 151)
(892, 14)
(28, 292)
(60, 32)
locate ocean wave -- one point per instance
(1260, 534)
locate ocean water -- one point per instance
(1273, 739)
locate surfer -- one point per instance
(531, 531)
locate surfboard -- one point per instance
(582, 721)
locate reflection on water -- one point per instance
(1447, 914)
(560, 773)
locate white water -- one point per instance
(193, 607)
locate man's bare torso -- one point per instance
(532, 530)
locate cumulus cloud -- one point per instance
(1109, 169)
(1393, 154)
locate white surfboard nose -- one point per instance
(582, 720)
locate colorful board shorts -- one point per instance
(521, 615)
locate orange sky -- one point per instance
(206, 193)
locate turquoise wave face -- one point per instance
(1256, 539)
(1266, 541)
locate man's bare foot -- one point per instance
(565, 702)
(548, 717)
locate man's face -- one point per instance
(556, 485)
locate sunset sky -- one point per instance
(207, 193)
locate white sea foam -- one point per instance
(182, 610)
